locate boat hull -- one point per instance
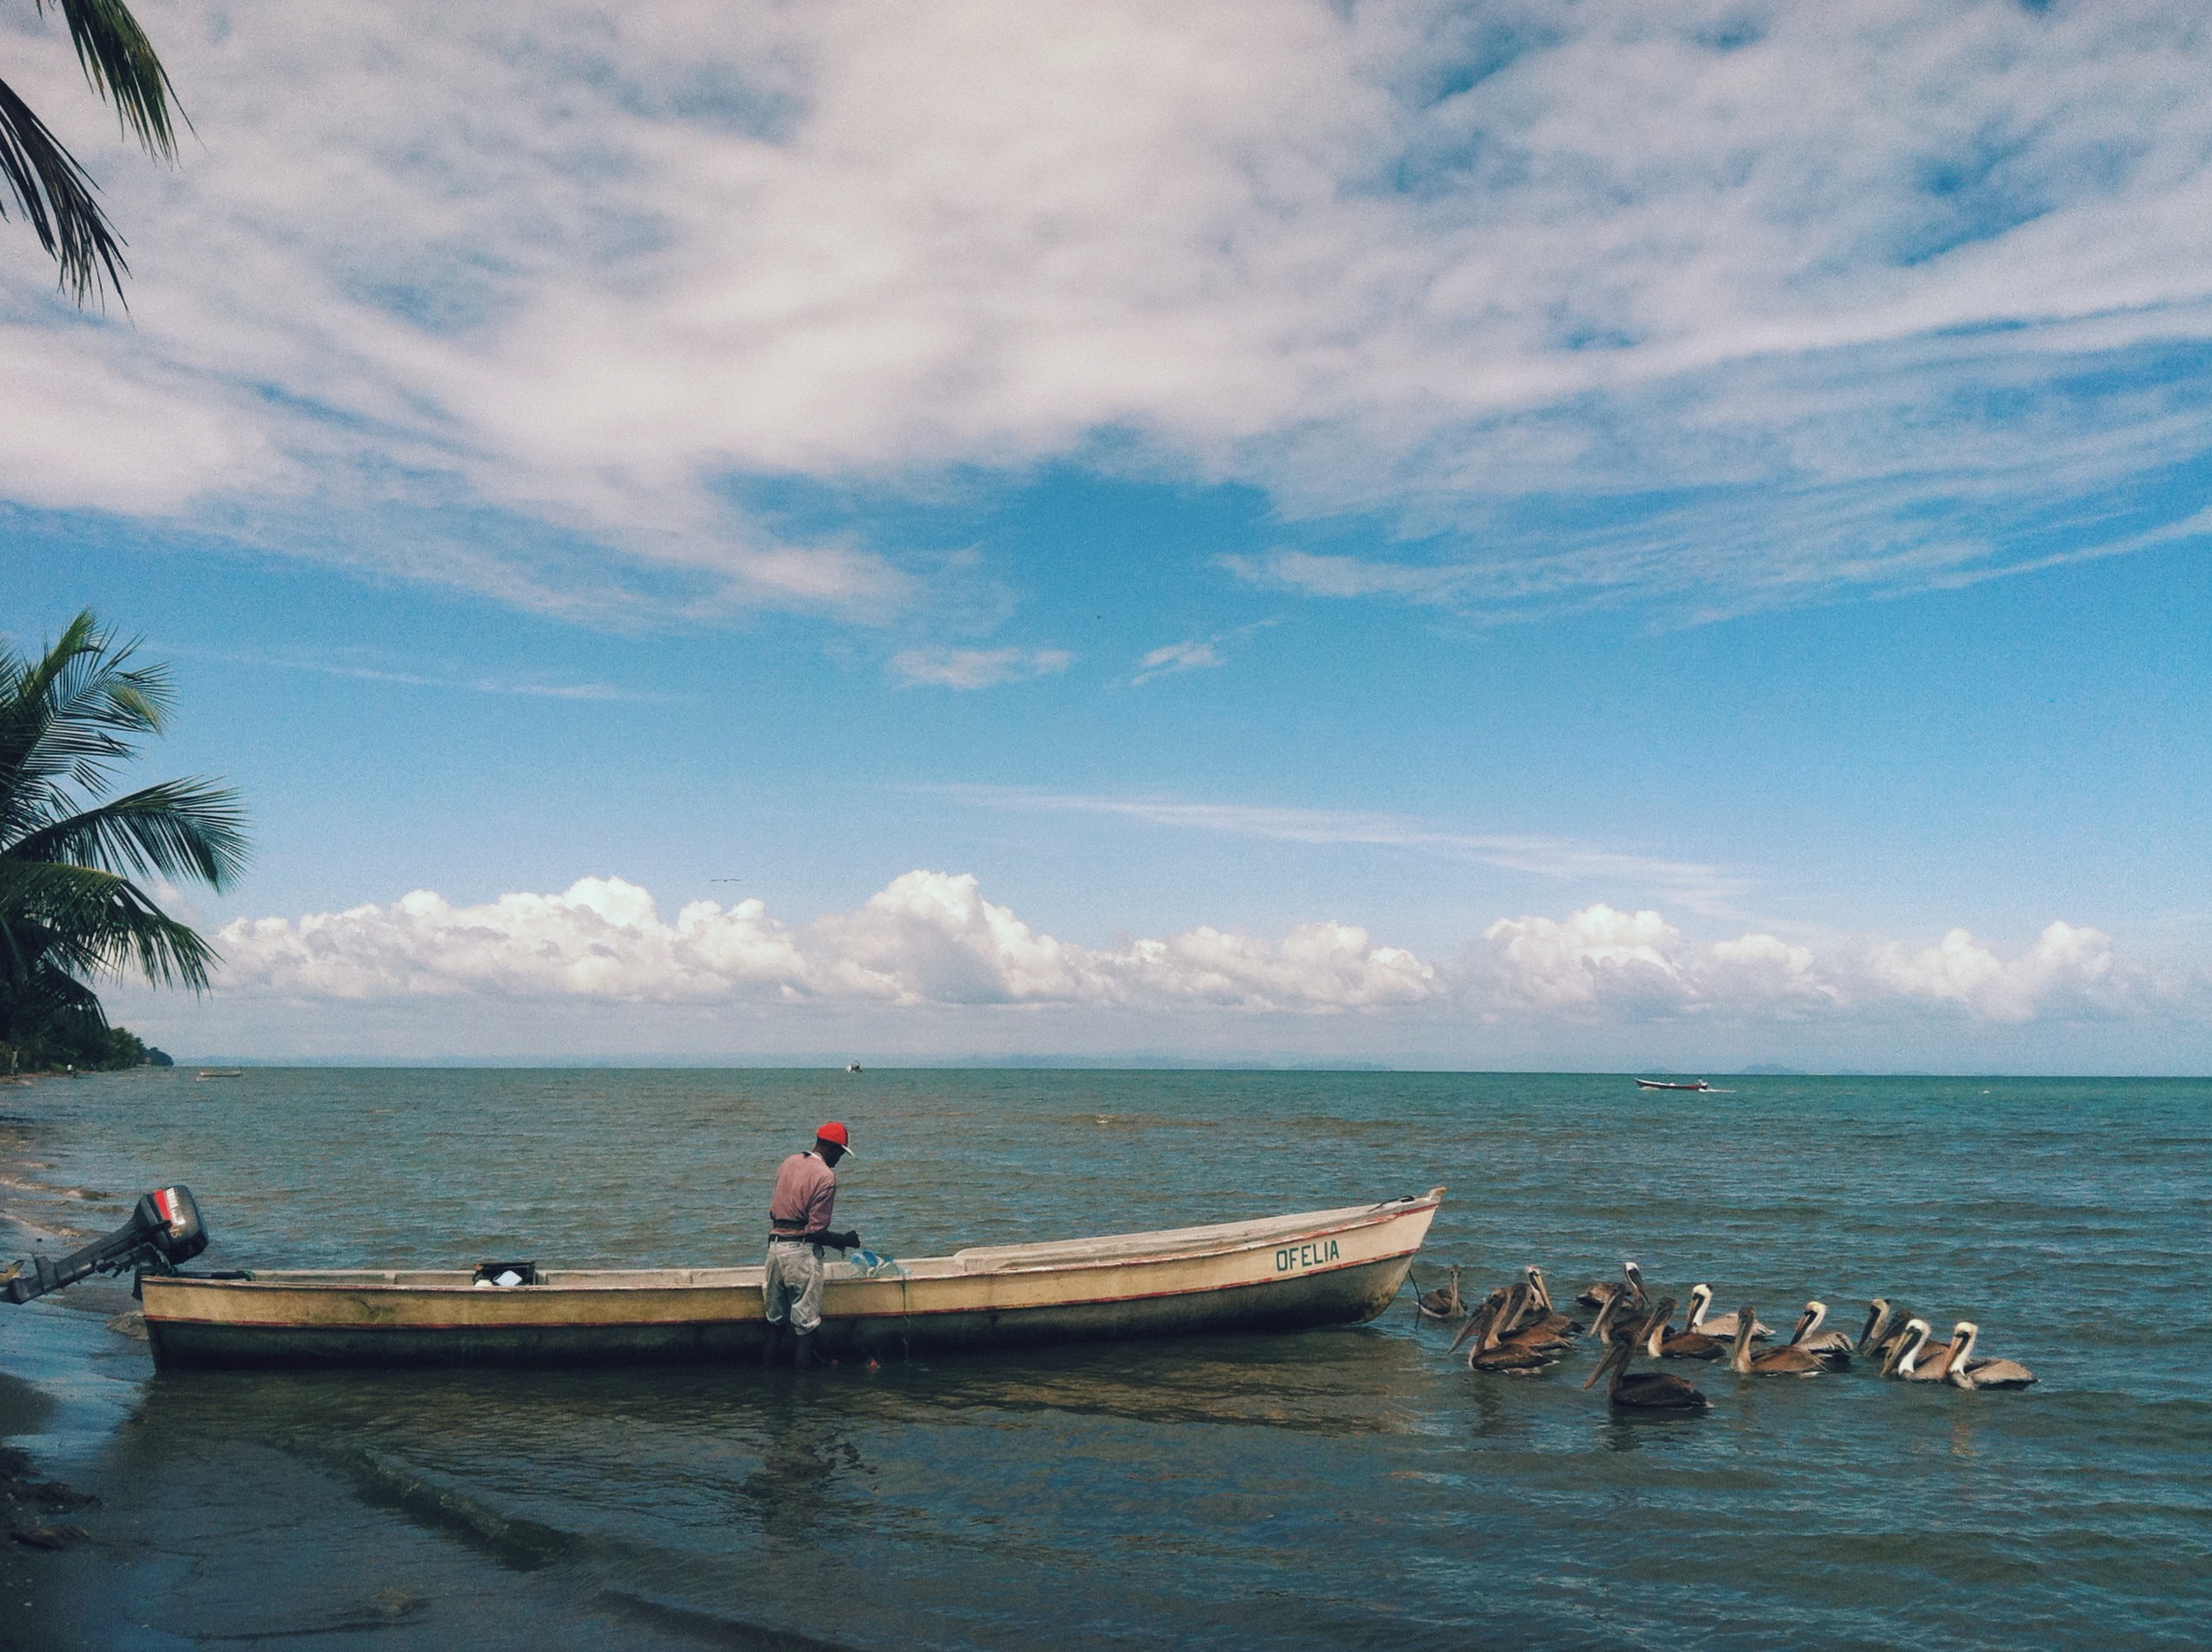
(1331, 1268)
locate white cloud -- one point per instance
(1175, 656)
(930, 942)
(975, 668)
(927, 939)
(2067, 969)
(1701, 888)
(1865, 291)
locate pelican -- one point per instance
(1877, 1319)
(1485, 1314)
(1553, 1323)
(1724, 1327)
(1645, 1390)
(1832, 1347)
(1604, 1291)
(1510, 1359)
(1442, 1302)
(1660, 1343)
(1776, 1361)
(1966, 1371)
(1903, 1362)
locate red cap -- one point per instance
(834, 1131)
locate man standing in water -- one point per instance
(798, 1231)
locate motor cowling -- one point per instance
(164, 1229)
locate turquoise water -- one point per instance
(1343, 1489)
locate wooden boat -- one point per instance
(1286, 1272)
(1662, 1084)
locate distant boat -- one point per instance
(854, 1067)
(1665, 1084)
(219, 1073)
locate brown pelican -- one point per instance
(1604, 1291)
(1877, 1317)
(1661, 1343)
(1442, 1302)
(1966, 1371)
(1724, 1327)
(1485, 1315)
(1548, 1318)
(1775, 1362)
(1643, 1390)
(1833, 1347)
(1904, 1365)
(1489, 1354)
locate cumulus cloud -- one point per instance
(1601, 960)
(930, 940)
(927, 938)
(2067, 967)
(975, 668)
(1734, 306)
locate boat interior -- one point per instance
(1116, 1247)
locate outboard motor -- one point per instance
(164, 1230)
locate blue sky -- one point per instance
(1469, 535)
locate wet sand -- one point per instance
(41, 1518)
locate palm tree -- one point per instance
(69, 912)
(51, 188)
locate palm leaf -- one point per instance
(57, 195)
(119, 62)
(88, 922)
(179, 828)
(64, 720)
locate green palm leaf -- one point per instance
(53, 192)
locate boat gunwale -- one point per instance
(842, 1317)
(326, 1281)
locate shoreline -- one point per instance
(42, 1518)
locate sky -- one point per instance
(1584, 536)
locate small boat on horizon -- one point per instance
(1675, 1084)
(219, 1073)
(1279, 1273)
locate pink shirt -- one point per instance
(806, 1191)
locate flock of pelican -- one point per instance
(1517, 1331)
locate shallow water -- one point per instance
(1335, 1489)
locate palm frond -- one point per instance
(179, 828)
(57, 196)
(88, 922)
(64, 720)
(120, 62)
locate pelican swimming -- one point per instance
(1775, 1362)
(1490, 1354)
(1966, 1371)
(1661, 1343)
(1832, 1347)
(1903, 1364)
(1724, 1327)
(1442, 1302)
(1550, 1320)
(1643, 1390)
(1877, 1319)
(1605, 1290)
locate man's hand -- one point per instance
(849, 1240)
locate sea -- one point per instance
(1354, 1487)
